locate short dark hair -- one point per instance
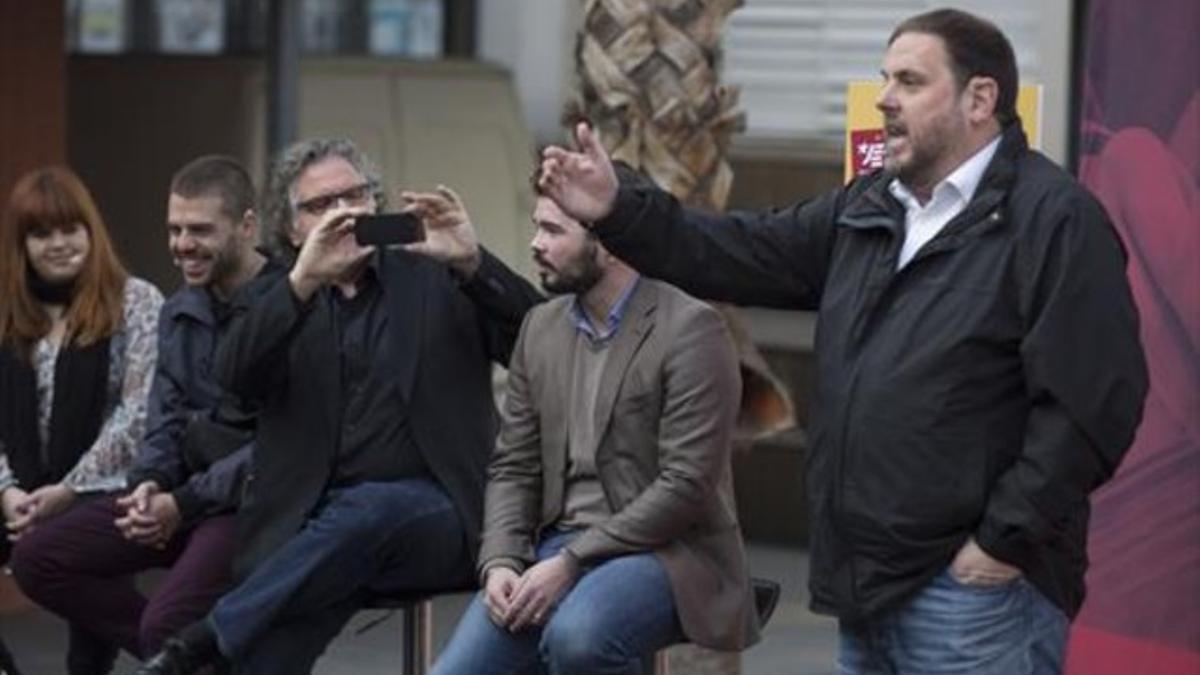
(220, 175)
(976, 48)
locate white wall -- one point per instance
(535, 39)
(1056, 78)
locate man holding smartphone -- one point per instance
(372, 371)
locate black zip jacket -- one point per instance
(983, 390)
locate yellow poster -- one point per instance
(864, 124)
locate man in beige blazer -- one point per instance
(610, 529)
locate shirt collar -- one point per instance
(964, 180)
(612, 322)
(192, 301)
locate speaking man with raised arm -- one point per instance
(979, 370)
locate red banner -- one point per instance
(1140, 154)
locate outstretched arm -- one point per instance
(776, 258)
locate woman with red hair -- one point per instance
(78, 342)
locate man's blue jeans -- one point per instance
(616, 614)
(952, 629)
(394, 537)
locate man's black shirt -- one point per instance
(375, 443)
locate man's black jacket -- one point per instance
(983, 390)
(282, 355)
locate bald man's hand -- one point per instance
(582, 182)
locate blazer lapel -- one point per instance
(404, 286)
(636, 326)
(557, 342)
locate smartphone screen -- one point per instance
(386, 229)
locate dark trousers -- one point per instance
(78, 566)
(394, 537)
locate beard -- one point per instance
(577, 275)
(926, 150)
(225, 264)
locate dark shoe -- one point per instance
(176, 658)
(7, 665)
(88, 654)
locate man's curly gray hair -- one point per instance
(278, 202)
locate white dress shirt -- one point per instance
(949, 198)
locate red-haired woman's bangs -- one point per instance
(52, 198)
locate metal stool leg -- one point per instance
(662, 665)
(417, 618)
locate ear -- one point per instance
(980, 99)
(603, 257)
(249, 224)
(295, 236)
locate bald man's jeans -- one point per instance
(950, 628)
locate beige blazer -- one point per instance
(665, 416)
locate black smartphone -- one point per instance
(386, 229)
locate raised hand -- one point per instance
(582, 182)
(329, 253)
(449, 236)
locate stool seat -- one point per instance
(401, 600)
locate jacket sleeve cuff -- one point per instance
(624, 212)
(489, 565)
(591, 544)
(136, 478)
(301, 307)
(484, 281)
(1007, 544)
(191, 505)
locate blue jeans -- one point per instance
(394, 537)
(618, 613)
(952, 629)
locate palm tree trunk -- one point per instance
(648, 76)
